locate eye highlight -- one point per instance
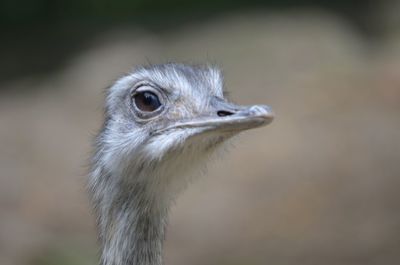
(146, 101)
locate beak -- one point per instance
(229, 117)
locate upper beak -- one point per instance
(229, 117)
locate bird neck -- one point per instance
(132, 204)
(132, 225)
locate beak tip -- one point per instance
(264, 112)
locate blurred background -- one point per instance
(320, 185)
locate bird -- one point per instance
(162, 124)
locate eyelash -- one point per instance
(160, 91)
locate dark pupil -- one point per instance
(147, 101)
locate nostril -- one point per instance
(223, 113)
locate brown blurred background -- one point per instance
(320, 185)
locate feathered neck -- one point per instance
(131, 221)
(132, 197)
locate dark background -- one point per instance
(39, 36)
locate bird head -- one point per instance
(170, 113)
(161, 123)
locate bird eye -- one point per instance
(146, 101)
